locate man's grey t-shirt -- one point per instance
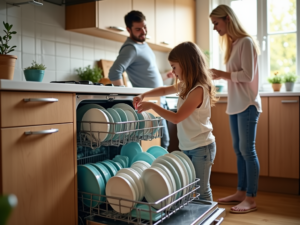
(138, 60)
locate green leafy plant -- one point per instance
(36, 66)
(4, 48)
(275, 79)
(290, 77)
(91, 74)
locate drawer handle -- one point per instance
(289, 101)
(218, 222)
(165, 42)
(117, 28)
(222, 102)
(40, 100)
(51, 131)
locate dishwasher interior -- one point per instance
(187, 209)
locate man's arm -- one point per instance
(125, 58)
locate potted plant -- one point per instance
(7, 62)
(91, 74)
(35, 72)
(289, 80)
(276, 81)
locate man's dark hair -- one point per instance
(133, 16)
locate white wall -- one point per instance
(41, 36)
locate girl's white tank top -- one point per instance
(196, 130)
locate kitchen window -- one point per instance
(273, 23)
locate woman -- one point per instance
(244, 103)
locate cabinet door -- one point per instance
(225, 160)
(147, 144)
(40, 170)
(185, 21)
(147, 8)
(284, 137)
(164, 23)
(111, 15)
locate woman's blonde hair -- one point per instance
(194, 69)
(235, 30)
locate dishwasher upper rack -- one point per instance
(130, 132)
(104, 210)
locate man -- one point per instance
(138, 60)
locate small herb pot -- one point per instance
(276, 87)
(289, 86)
(34, 75)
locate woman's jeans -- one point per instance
(243, 131)
(203, 158)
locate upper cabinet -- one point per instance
(169, 22)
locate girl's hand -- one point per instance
(144, 106)
(170, 74)
(137, 100)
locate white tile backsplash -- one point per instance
(48, 47)
(62, 49)
(41, 36)
(28, 45)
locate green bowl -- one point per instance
(34, 75)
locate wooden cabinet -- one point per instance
(169, 22)
(147, 144)
(185, 21)
(148, 9)
(225, 161)
(111, 15)
(37, 163)
(284, 137)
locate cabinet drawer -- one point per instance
(15, 111)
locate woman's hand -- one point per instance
(137, 100)
(219, 74)
(144, 106)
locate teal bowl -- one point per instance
(219, 88)
(34, 75)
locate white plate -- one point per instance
(134, 185)
(96, 115)
(131, 126)
(187, 167)
(179, 168)
(137, 179)
(137, 169)
(170, 176)
(189, 161)
(143, 162)
(157, 186)
(148, 124)
(120, 187)
(126, 107)
(140, 165)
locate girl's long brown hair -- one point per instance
(194, 69)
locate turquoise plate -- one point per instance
(157, 151)
(144, 156)
(90, 180)
(116, 117)
(154, 122)
(142, 211)
(114, 164)
(111, 168)
(141, 124)
(124, 158)
(121, 161)
(124, 127)
(103, 171)
(130, 150)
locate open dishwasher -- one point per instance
(187, 209)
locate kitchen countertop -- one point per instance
(10, 85)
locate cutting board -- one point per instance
(105, 66)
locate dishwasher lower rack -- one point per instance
(104, 210)
(121, 133)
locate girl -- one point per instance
(244, 104)
(196, 96)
